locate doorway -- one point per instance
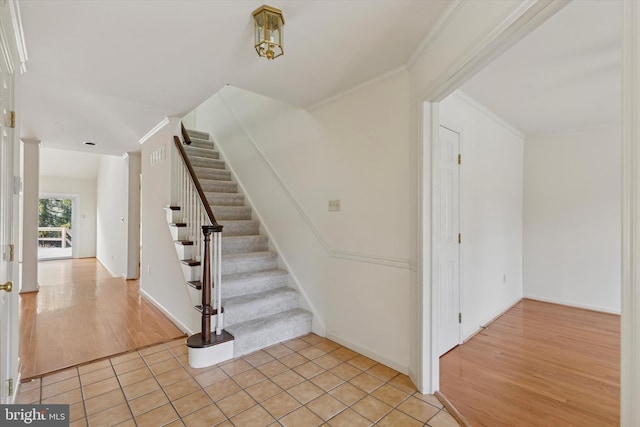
(57, 228)
(449, 238)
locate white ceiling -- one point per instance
(109, 71)
(564, 75)
(68, 164)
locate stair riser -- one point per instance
(201, 152)
(195, 296)
(207, 163)
(219, 186)
(240, 229)
(235, 314)
(252, 341)
(225, 199)
(227, 213)
(235, 288)
(236, 245)
(184, 251)
(197, 134)
(208, 173)
(207, 145)
(178, 233)
(173, 215)
(246, 266)
(191, 273)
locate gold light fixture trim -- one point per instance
(268, 31)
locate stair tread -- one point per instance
(199, 139)
(193, 132)
(267, 322)
(248, 236)
(249, 275)
(216, 181)
(196, 148)
(233, 208)
(203, 154)
(248, 256)
(196, 157)
(284, 292)
(227, 195)
(196, 284)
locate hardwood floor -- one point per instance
(538, 365)
(82, 313)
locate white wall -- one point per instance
(161, 279)
(133, 215)
(112, 207)
(118, 214)
(491, 210)
(85, 215)
(29, 169)
(354, 264)
(572, 217)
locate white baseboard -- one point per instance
(166, 312)
(369, 353)
(493, 319)
(416, 381)
(16, 389)
(575, 305)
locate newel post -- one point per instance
(206, 285)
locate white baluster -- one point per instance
(218, 278)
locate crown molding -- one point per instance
(356, 88)
(5, 51)
(153, 131)
(18, 33)
(441, 23)
(514, 26)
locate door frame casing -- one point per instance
(630, 325)
(458, 129)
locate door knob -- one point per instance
(7, 286)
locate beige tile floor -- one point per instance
(309, 381)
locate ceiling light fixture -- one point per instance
(268, 31)
(89, 143)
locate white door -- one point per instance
(449, 239)
(8, 295)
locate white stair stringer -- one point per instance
(260, 309)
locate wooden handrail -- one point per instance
(185, 134)
(196, 183)
(204, 338)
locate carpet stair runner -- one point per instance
(260, 309)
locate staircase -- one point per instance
(259, 308)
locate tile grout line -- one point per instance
(294, 349)
(122, 389)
